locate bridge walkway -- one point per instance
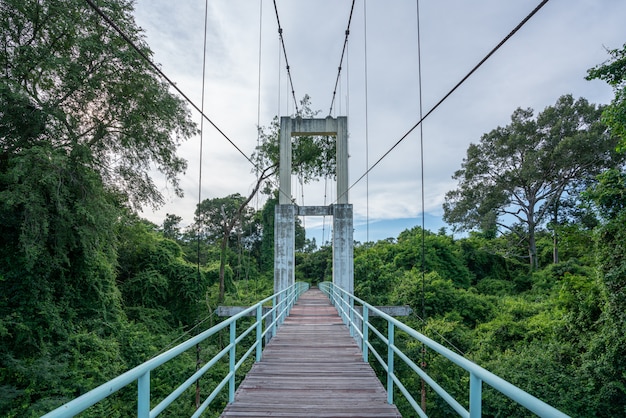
(311, 368)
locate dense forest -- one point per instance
(529, 281)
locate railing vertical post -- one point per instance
(143, 395)
(351, 304)
(274, 316)
(231, 362)
(366, 330)
(475, 401)
(259, 332)
(289, 300)
(344, 306)
(284, 304)
(390, 357)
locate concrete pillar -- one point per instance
(343, 247)
(284, 246)
(284, 224)
(284, 194)
(342, 160)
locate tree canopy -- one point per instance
(614, 72)
(312, 156)
(72, 83)
(88, 289)
(517, 174)
(83, 122)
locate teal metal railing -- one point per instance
(356, 315)
(281, 305)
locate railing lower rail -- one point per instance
(281, 304)
(360, 327)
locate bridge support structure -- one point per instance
(286, 210)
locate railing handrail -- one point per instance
(345, 302)
(281, 301)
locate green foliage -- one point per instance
(314, 267)
(614, 73)
(154, 275)
(440, 256)
(609, 194)
(312, 156)
(59, 60)
(89, 290)
(556, 332)
(606, 366)
(82, 121)
(523, 171)
(375, 275)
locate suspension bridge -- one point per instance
(311, 349)
(316, 364)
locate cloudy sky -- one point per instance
(547, 58)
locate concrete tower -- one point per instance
(286, 211)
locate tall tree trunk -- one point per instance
(223, 246)
(229, 225)
(532, 250)
(555, 233)
(532, 243)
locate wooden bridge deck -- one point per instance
(311, 368)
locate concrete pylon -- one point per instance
(286, 210)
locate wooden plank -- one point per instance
(311, 368)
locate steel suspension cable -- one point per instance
(447, 95)
(421, 112)
(367, 148)
(204, 54)
(204, 44)
(156, 68)
(258, 121)
(345, 45)
(258, 100)
(423, 232)
(282, 42)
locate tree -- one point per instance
(605, 359)
(521, 171)
(71, 81)
(218, 220)
(83, 120)
(313, 156)
(171, 226)
(614, 72)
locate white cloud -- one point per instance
(549, 57)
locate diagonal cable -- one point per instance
(444, 98)
(162, 74)
(282, 42)
(343, 52)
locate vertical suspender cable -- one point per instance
(324, 217)
(204, 46)
(367, 160)
(301, 181)
(423, 260)
(367, 149)
(280, 60)
(206, 16)
(258, 116)
(258, 99)
(348, 84)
